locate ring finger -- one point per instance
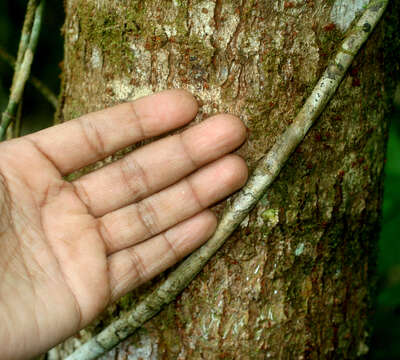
(137, 222)
(159, 164)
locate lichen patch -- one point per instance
(271, 217)
(344, 12)
(202, 15)
(97, 58)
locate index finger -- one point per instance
(80, 142)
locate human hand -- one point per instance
(68, 249)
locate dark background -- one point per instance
(38, 113)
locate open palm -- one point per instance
(67, 249)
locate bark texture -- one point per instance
(295, 280)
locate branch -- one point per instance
(27, 47)
(42, 88)
(26, 31)
(15, 130)
(265, 173)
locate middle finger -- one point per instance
(135, 223)
(159, 164)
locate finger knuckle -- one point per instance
(93, 138)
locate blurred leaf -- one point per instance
(393, 152)
(390, 297)
(385, 342)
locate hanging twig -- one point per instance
(42, 88)
(27, 46)
(265, 173)
(26, 32)
(15, 130)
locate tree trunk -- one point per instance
(296, 278)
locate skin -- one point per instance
(68, 249)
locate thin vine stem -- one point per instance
(39, 85)
(265, 173)
(26, 51)
(26, 32)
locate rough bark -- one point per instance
(295, 280)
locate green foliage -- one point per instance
(385, 344)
